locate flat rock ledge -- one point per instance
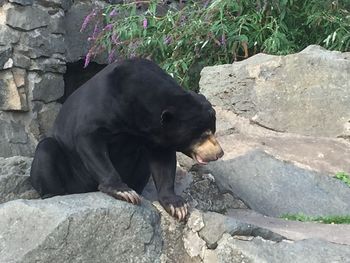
(275, 187)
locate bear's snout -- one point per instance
(206, 150)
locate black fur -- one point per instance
(117, 129)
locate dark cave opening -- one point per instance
(76, 75)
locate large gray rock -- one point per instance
(273, 187)
(23, 17)
(14, 179)
(257, 250)
(79, 228)
(306, 93)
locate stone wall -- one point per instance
(37, 40)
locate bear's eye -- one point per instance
(205, 135)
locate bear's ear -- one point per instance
(166, 116)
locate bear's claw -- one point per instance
(176, 207)
(130, 196)
(180, 212)
(122, 192)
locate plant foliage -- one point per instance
(320, 219)
(344, 177)
(200, 33)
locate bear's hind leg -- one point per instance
(48, 168)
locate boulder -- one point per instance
(305, 93)
(79, 228)
(257, 250)
(274, 187)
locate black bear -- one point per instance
(117, 129)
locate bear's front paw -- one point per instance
(175, 205)
(123, 193)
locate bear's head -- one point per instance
(189, 126)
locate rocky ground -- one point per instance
(283, 123)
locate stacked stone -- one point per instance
(37, 39)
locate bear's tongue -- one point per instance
(199, 159)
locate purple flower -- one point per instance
(95, 32)
(87, 59)
(87, 19)
(108, 27)
(145, 23)
(111, 56)
(114, 12)
(223, 39)
(206, 4)
(167, 40)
